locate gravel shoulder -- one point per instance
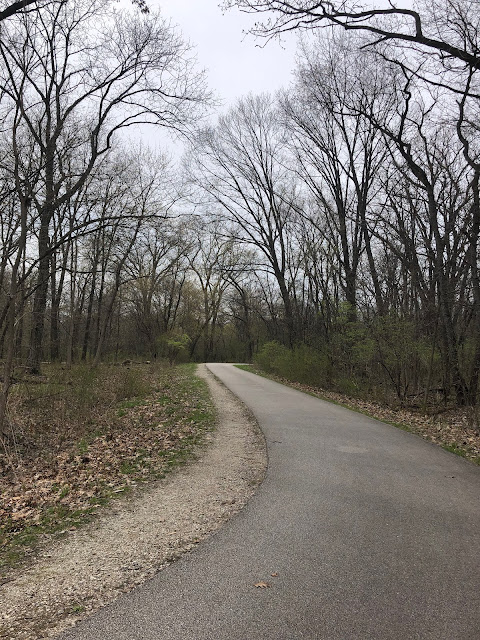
(141, 535)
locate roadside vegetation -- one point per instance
(332, 231)
(87, 436)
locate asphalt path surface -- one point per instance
(374, 534)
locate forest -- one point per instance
(329, 232)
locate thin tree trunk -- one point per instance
(11, 318)
(44, 259)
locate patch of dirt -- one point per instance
(136, 538)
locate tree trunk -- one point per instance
(44, 258)
(11, 318)
(473, 259)
(40, 299)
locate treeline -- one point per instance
(332, 228)
(358, 191)
(75, 200)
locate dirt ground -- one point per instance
(139, 536)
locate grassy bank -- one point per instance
(84, 437)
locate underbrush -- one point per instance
(86, 436)
(396, 377)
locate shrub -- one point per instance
(174, 346)
(301, 364)
(272, 357)
(131, 384)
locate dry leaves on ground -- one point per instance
(59, 481)
(261, 585)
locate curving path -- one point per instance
(374, 534)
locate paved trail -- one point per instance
(374, 534)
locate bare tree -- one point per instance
(447, 28)
(17, 229)
(242, 165)
(158, 265)
(80, 74)
(339, 150)
(431, 158)
(143, 201)
(214, 261)
(28, 6)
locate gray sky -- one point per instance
(234, 62)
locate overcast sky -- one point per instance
(234, 61)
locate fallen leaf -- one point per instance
(261, 585)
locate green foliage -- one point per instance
(307, 365)
(302, 364)
(272, 357)
(399, 353)
(384, 359)
(174, 346)
(77, 608)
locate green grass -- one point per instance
(77, 608)
(55, 521)
(64, 492)
(82, 446)
(250, 368)
(129, 404)
(127, 467)
(460, 452)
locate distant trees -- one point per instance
(157, 269)
(337, 223)
(376, 181)
(73, 77)
(242, 164)
(388, 146)
(72, 87)
(339, 150)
